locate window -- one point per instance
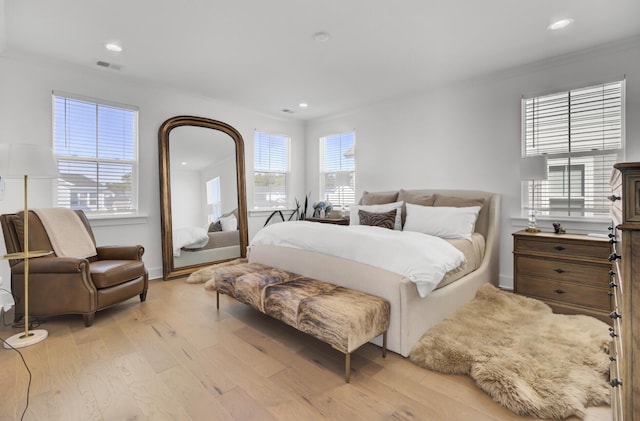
(338, 169)
(96, 146)
(271, 170)
(214, 206)
(581, 132)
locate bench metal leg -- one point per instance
(384, 344)
(347, 367)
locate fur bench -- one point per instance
(340, 317)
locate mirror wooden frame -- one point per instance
(169, 271)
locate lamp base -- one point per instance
(19, 340)
(532, 229)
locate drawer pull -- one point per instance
(612, 332)
(614, 256)
(559, 270)
(616, 382)
(612, 241)
(613, 284)
(611, 235)
(559, 291)
(612, 358)
(611, 273)
(559, 248)
(615, 315)
(610, 228)
(613, 197)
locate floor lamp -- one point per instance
(533, 169)
(27, 161)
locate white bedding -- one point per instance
(194, 237)
(421, 258)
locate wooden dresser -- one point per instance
(625, 288)
(570, 272)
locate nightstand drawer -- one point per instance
(579, 273)
(560, 248)
(571, 293)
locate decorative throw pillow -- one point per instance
(378, 198)
(384, 220)
(354, 218)
(215, 226)
(445, 222)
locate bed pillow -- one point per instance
(374, 219)
(443, 221)
(378, 198)
(415, 197)
(457, 202)
(354, 218)
(229, 223)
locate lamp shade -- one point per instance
(534, 168)
(20, 159)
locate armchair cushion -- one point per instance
(108, 273)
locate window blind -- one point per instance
(337, 169)
(581, 132)
(95, 144)
(271, 168)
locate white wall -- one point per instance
(25, 116)
(186, 199)
(467, 135)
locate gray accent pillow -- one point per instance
(384, 220)
(215, 226)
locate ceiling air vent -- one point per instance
(107, 65)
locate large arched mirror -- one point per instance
(202, 194)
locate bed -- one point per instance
(411, 314)
(195, 245)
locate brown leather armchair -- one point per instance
(69, 285)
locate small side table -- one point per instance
(335, 221)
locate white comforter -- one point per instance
(422, 258)
(194, 237)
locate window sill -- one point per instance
(115, 220)
(571, 224)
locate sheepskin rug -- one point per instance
(530, 360)
(201, 276)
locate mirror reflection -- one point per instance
(204, 196)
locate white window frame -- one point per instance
(592, 204)
(134, 163)
(271, 169)
(338, 201)
(214, 204)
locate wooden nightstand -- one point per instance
(570, 272)
(335, 221)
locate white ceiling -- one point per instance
(262, 54)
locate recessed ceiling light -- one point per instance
(303, 105)
(112, 46)
(184, 163)
(559, 24)
(321, 36)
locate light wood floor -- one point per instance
(175, 357)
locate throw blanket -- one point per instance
(421, 258)
(67, 233)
